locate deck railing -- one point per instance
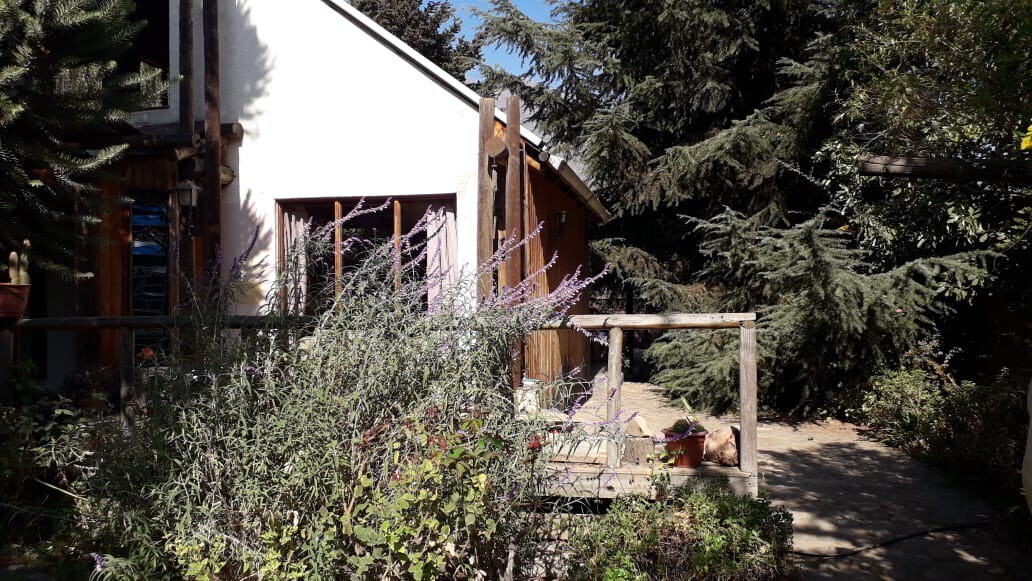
(747, 375)
(615, 325)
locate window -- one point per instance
(377, 227)
(149, 262)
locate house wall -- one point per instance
(328, 111)
(553, 354)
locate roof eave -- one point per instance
(566, 173)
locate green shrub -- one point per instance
(378, 441)
(905, 406)
(974, 430)
(700, 531)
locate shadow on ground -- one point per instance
(847, 493)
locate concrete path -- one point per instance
(847, 492)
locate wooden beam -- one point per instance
(139, 141)
(485, 198)
(186, 68)
(513, 191)
(1017, 172)
(211, 216)
(614, 386)
(748, 456)
(658, 322)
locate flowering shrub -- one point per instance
(378, 439)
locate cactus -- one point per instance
(18, 265)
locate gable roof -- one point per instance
(460, 90)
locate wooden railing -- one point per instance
(747, 376)
(614, 324)
(126, 326)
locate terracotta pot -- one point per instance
(14, 298)
(687, 451)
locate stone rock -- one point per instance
(637, 426)
(722, 446)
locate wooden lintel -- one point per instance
(139, 141)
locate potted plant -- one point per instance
(14, 295)
(685, 442)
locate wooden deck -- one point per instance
(583, 480)
(596, 468)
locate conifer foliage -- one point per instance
(429, 27)
(726, 137)
(58, 80)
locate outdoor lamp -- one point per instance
(187, 192)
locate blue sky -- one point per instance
(536, 9)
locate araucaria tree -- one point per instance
(726, 137)
(429, 27)
(59, 80)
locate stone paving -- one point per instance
(847, 492)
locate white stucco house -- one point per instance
(313, 106)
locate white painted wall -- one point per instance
(328, 111)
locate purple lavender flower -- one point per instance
(98, 559)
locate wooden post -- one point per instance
(485, 197)
(513, 190)
(338, 243)
(514, 215)
(614, 384)
(174, 250)
(186, 68)
(397, 244)
(747, 387)
(281, 255)
(126, 353)
(210, 217)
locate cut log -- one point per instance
(638, 450)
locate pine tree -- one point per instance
(429, 27)
(58, 80)
(714, 130)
